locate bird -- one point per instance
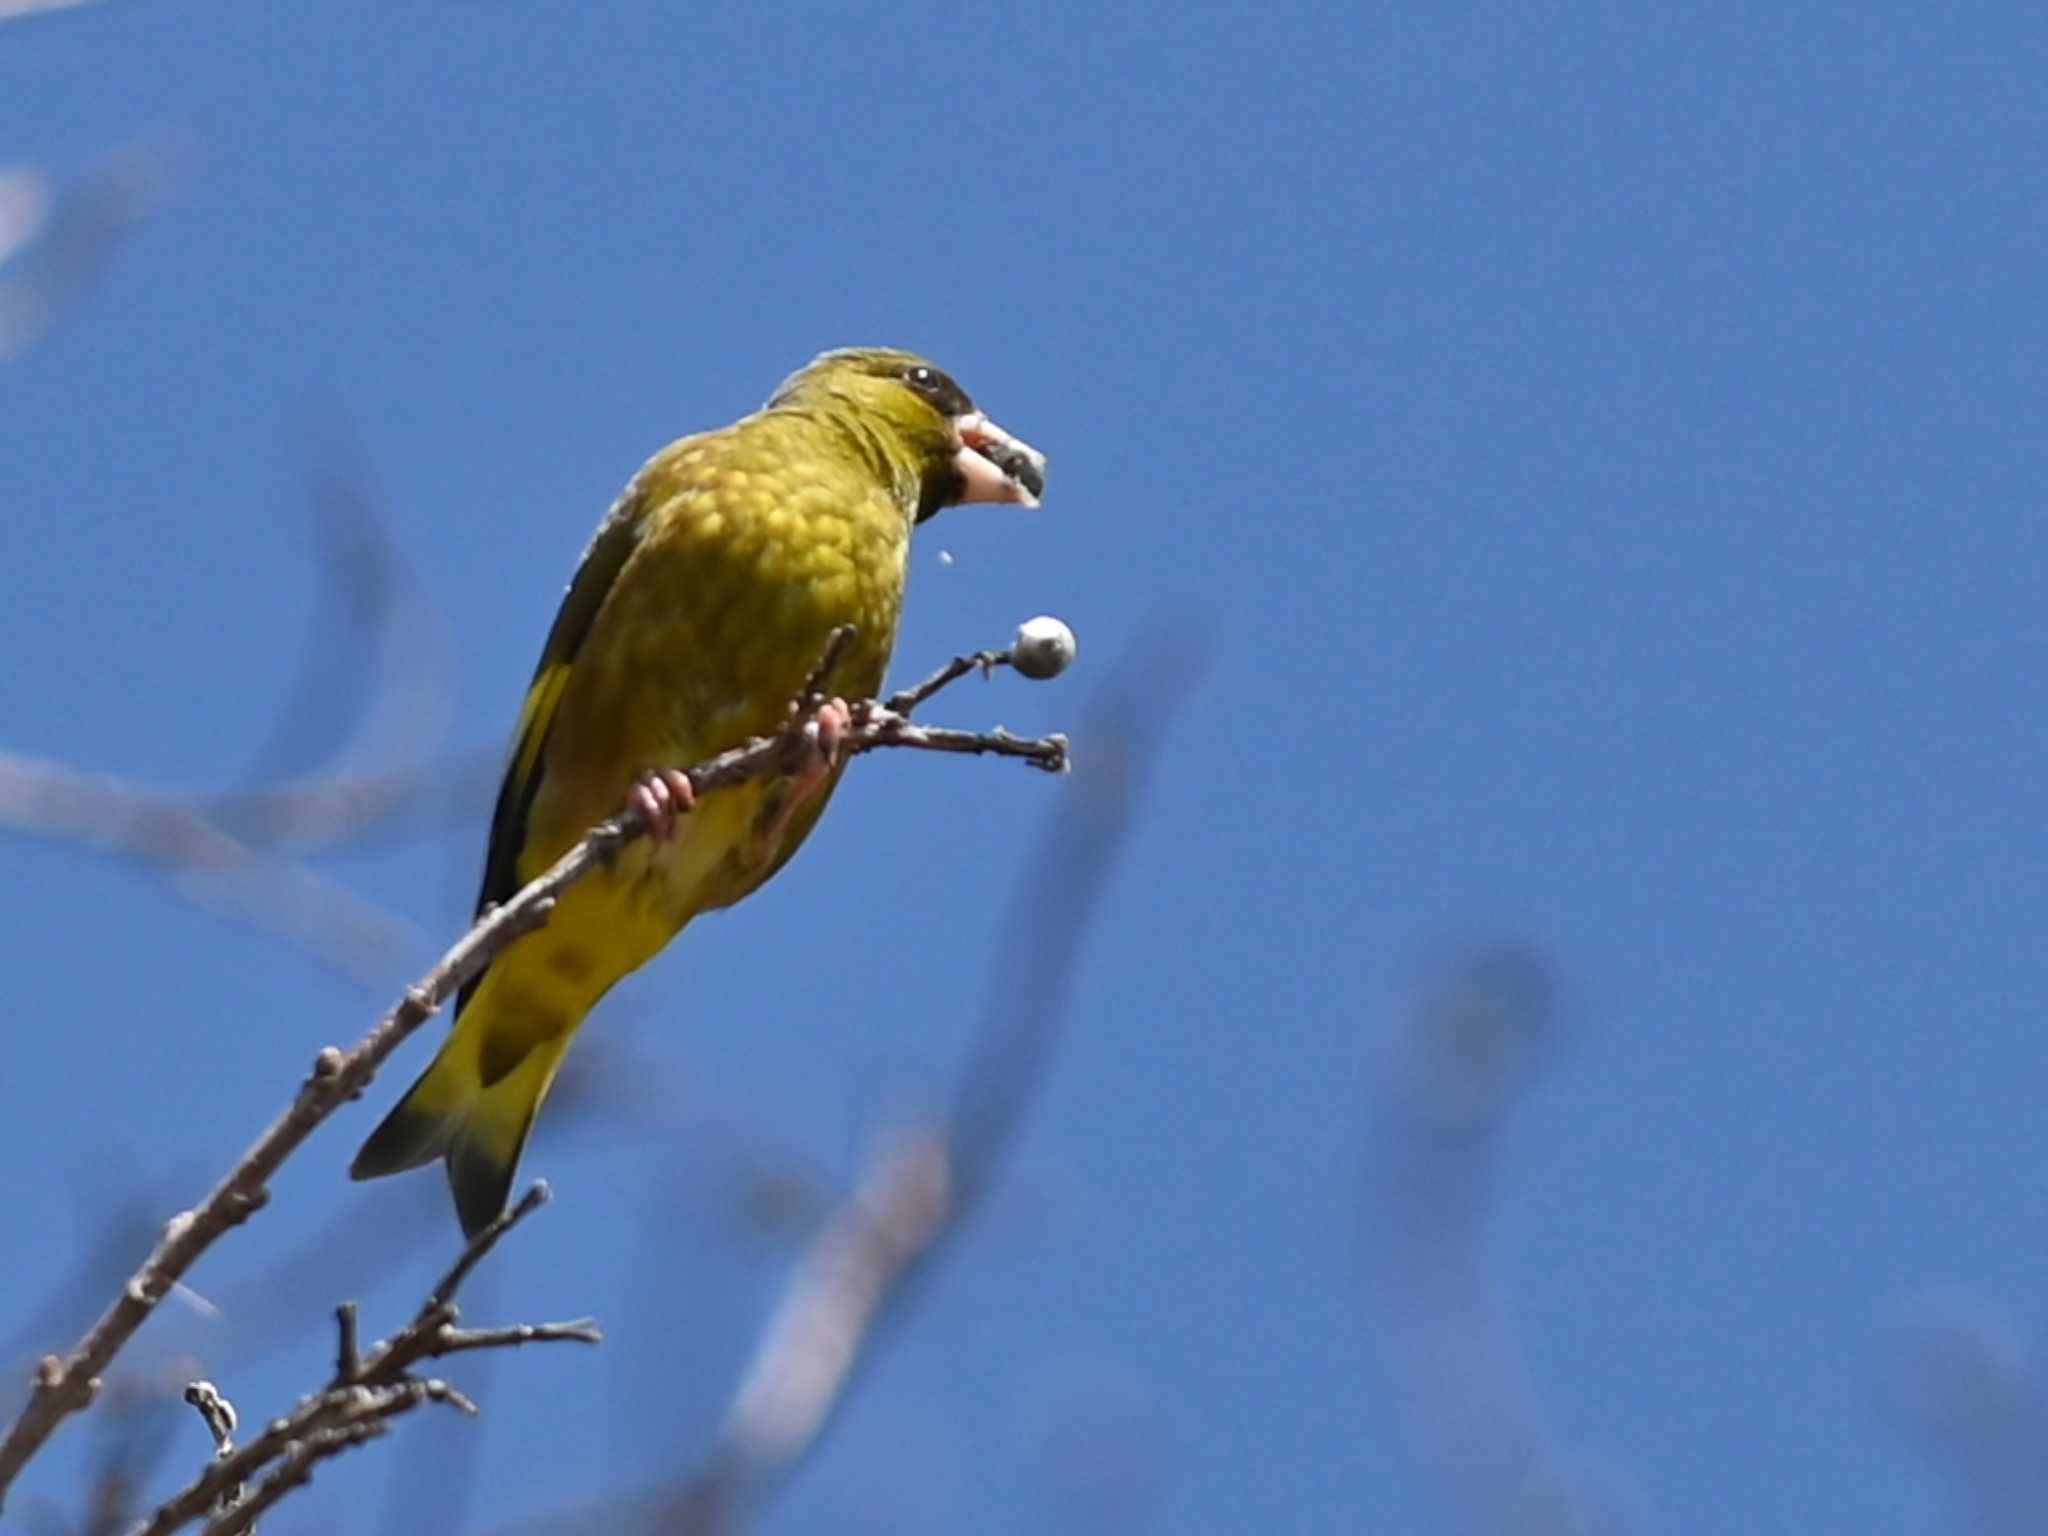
(701, 604)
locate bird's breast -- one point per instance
(751, 575)
(743, 572)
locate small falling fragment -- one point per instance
(195, 1301)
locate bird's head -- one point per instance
(919, 422)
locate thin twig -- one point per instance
(66, 1384)
(877, 726)
(812, 694)
(582, 1330)
(480, 1246)
(295, 1467)
(904, 700)
(348, 1358)
(218, 1413)
(367, 1390)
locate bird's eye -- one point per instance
(946, 397)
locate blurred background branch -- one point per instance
(1959, 1387)
(15, 10)
(861, 1268)
(1607, 444)
(226, 851)
(54, 246)
(1450, 1075)
(65, 1385)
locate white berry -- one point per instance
(1044, 648)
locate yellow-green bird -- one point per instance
(707, 594)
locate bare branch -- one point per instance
(479, 1247)
(365, 1393)
(904, 700)
(219, 1415)
(135, 1430)
(371, 1417)
(348, 1357)
(811, 697)
(877, 726)
(582, 1330)
(65, 1385)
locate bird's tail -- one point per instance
(472, 1117)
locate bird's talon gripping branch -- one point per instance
(662, 797)
(826, 733)
(704, 593)
(815, 753)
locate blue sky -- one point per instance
(1599, 449)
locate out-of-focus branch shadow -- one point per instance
(1104, 1456)
(169, 833)
(861, 1268)
(124, 1225)
(383, 762)
(25, 199)
(1959, 1389)
(384, 756)
(15, 10)
(136, 1431)
(62, 247)
(140, 1407)
(928, 1180)
(223, 852)
(1450, 1075)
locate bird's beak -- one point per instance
(995, 466)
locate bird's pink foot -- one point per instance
(822, 737)
(662, 796)
(818, 755)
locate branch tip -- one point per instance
(65, 1384)
(348, 1357)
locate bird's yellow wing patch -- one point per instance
(534, 718)
(527, 765)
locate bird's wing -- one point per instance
(614, 544)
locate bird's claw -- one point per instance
(824, 733)
(816, 754)
(662, 796)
